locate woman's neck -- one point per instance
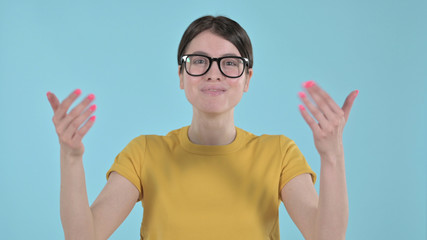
(212, 129)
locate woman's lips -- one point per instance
(213, 90)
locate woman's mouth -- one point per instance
(213, 91)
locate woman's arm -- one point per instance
(113, 205)
(332, 212)
(76, 216)
(319, 217)
(324, 216)
(301, 201)
(116, 200)
(107, 212)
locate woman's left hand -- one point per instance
(331, 119)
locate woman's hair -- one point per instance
(222, 26)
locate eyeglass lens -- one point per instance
(199, 65)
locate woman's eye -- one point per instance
(199, 61)
(230, 63)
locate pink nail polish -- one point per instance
(92, 118)
(91, 96)
(77, 92)
(357, 92)
(301, 94)
(92, 108)
(48, 94)
(301, 107)
(309, 84)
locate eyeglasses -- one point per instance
(198, 65)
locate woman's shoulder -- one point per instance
(263, 137)
(172, 133)
(152, 139)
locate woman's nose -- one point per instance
(214, 72)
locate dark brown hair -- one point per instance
(222, 26)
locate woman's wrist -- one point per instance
(69, 157)
(332, 158)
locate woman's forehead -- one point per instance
(211, 44)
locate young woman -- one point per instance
(209, 180)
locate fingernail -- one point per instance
(92, 108)
(48, 94)
(301, 107)
(91, 96)
(357, 93)
(92, 118)
(309, 84)
(301, 94)
(77, 91)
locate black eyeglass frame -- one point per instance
(217, 60)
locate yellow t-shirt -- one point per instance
(190, 191)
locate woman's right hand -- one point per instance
(68, 125)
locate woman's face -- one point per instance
(213, 92)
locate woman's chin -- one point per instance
(213, 110)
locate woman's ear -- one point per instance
(181, 80)
(247, 80)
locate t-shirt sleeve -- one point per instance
(293, 162)
(129, 162)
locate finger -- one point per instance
(63, 107)
(75, 113)
(327, 98)
(84, 129)
(309, 120)
(324, 102)
(73, 127)
(53, 100)
(314, 111)
(348, 103)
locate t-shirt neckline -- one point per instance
(211, 149)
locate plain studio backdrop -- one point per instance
(125, 53)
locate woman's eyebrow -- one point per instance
(223, 55)
(230, 55)
(200, 52)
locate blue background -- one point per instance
(125, 53)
